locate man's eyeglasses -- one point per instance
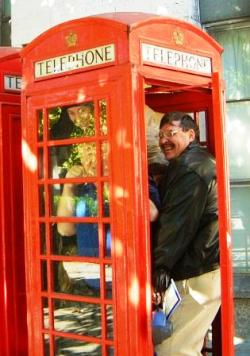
(168, 133)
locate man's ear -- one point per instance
(191, 135)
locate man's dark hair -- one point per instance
(186, 121)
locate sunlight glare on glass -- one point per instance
(29, 158)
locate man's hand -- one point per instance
(161, 280)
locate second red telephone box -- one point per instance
(13, 328)
(86, 83)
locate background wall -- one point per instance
(31, 18)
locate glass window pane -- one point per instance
(77, 278)
(44, 275)
(72, 121)
(40, 164)
(108, 281)
(73, 161)
(77, 317)
(107, 235)
(65, 346)
(109, 322)
(42, 239)
(105, 158)
(110, 351)
(45, 304)
(238, 128)
(78, 200)
(106, 200)
(103, 117)
(46, 345)
(240, 197)
(41, 200)
(63, 245)
(87, 239)
(40, 118)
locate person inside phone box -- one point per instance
(186, 240)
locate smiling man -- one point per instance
(186, 244)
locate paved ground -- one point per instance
(243, 349)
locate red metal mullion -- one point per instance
(100, 227)
(81, 337)
(111, 261)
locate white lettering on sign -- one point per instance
(171, 58)
(87, 58)
(12, 82)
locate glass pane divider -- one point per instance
(84, 338)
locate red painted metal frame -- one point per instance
(123, 84)
(13, 326)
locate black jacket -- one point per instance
(186, 243)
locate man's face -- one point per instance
(80, 115)
(173, 140)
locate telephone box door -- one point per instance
(207, 107)
(78, 233)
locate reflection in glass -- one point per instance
(41, 200)
(109, 322)
(40, 164)
(74, 121)
(78, 317)
(46, 345)
(78, 200)
(106, 200)
(44, 275)
(87, 239)
(107, 234)
(108, 281)
(72, 161)
(65, 346)
(40, 125)
(85, 242)
(45, 313)
(77, 278)
(104, 158)
(103, 117)
(110, 351)
(42, 239)
(63, 245)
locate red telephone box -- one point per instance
(13, 326)
(86, 83)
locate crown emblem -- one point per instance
(178, 37)
(71, 39)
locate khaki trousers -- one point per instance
(193, 317)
